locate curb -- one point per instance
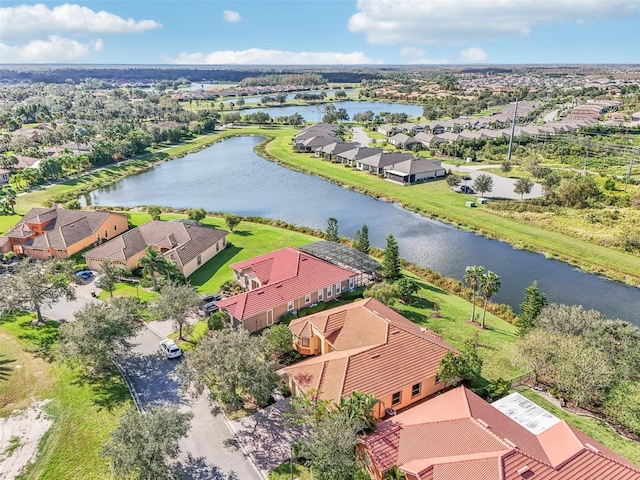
(246, 453)
(132, 390)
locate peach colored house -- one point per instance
(55, 232)
(458, 435)
(188, 246)
(281, 281)
(368, 347)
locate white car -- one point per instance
(170, 349)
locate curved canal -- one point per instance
(230, 177)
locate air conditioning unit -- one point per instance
(351, 289)
(293, 312)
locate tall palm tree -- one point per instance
(10, 198)
(472, 276)
(489, 284)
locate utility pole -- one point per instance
(513, 129)
(626, 180)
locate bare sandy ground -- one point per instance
(19, 438)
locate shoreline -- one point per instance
(603, 269)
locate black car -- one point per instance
(210, 307)
(210, 297)
(466, 189)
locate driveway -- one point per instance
(360, 136)
(265, 436)
(502, 187)
(63, 309)
(210, 450)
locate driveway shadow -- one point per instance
(198, 469)
(153, 379)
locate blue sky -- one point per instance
(321, 32)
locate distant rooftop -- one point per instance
(523, 411)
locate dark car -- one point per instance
(210, 297)
(210, 307)
(466, 189)
(84, 275)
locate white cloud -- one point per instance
(411, 52)
(258, 56)
(231, 16)
(26, 22)
(51, 50)
(462, 21)
(473, 55)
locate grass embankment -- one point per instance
(84, 409)
(591, 426)
(436, 200)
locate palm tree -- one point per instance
(472, 277)
(489, 284)
(10, 198)
(152, 263)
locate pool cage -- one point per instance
(347, 257)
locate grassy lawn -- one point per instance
(198, 331)
(436, 200)
(592, 427)
(8, 221)
(84, 409)
(128, 290)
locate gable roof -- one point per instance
(184, 241)
(411, 167)
(61, 228)
(286, 274)
(381, 160)
(377, 351)
(453, 433)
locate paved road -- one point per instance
(502, 187)
(209, 451)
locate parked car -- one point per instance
(170, 348)
(210, 297)
(84, 275)
(210, 307)
(466, 189)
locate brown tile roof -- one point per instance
(286, 275)
(61, 227)
(378, 351)
(459, 435)
(184, 241)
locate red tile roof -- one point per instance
(378, 351)
(286, 275)
(457, 436)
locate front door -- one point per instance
(269, 317)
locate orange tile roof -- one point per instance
(378, 351)
(286, 275)
(459, 435)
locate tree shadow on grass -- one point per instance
(243, 233)
(5, 371)
(198, 469)
(109, 390)
(39, 339)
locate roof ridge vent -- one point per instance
(482, 422)
(523, 470)
(394, 332)
(375, 355)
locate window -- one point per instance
(290, 306)
(307, 299)
(415, 390)
(338, 287)
(395, 399)
(217, 247)
(320, 295)
(106, 233)
(199, 260)
(305, 342)
(329, 291)
(115, 228)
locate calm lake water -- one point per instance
(313, 113)
(230, 177)
(254, 100)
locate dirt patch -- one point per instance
(19, 437)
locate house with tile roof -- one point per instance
(404, 141)
(281, 281)
(56, 232)
(414, 171)
(367, 347)
(188, 246)
(458, 435)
